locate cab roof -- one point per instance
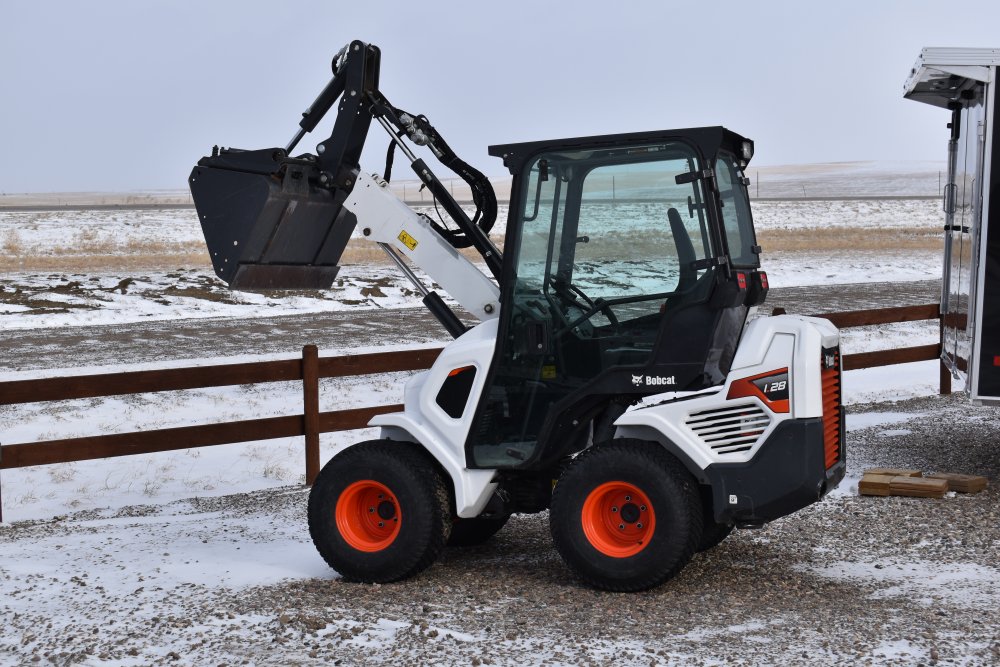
(708, 140)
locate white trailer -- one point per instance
(963, 81)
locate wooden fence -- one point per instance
(308, 370)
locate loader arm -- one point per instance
(275, 221)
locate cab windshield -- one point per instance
(611, 228)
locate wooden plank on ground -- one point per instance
(918, 487)
(894, 472)
(961, 483)
(874, 485)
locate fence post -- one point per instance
(945, 380)
(310, 399)
(944, 375)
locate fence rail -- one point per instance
(308, 370)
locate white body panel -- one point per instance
(385, 219)
(444, 437)
(768, 344)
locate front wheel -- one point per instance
(626, 516)
(379, 511)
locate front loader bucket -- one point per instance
(267, 224)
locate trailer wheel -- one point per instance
(626, 516)
(472, 532)
(379, 512)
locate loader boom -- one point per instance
(274, 221)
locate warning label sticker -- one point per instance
(407, 240)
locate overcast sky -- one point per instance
(127, 95)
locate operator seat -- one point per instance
(685, 251)
(687, 283)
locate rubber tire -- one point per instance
(673, 495)
(424, 506)
(472, 532)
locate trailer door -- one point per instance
(962, 205)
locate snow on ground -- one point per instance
(140, 534)
(102, 296)
(31, 301)
(837, 179)
(967, 584)
(66, 299)
(45, 491)
(40, 492)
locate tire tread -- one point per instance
(415, 464)
(652, 455)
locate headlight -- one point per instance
(746, 150)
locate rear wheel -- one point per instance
(470, 532)
(626, 516)
(379, 511)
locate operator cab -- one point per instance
(630, 263)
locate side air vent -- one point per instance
(833, 409)
(729, 430)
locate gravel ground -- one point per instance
(850, 580)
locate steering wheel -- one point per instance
(569, 292)
(605, 309)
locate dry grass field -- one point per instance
(73, 240)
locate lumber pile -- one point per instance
(961, 483)
(913, 483)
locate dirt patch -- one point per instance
(97, 263)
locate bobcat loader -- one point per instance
(612, 375)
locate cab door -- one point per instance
(607, 246)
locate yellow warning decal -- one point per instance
(407, 240)
(548, 372)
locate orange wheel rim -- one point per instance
(618, 519)
(368, 515)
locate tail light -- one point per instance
(833, 422)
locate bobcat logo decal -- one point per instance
(653, 381)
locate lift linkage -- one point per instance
(274, 221)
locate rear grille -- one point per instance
(833, 422)
(729, 430)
